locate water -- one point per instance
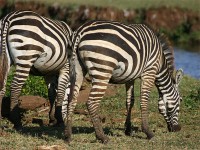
(189, 61)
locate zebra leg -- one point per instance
(63, 80)
(146, 85)
(2, 93)
(69, 106)
(3, 90)
(21, 74)
(52, 82)
(129, 104)
(96, 94)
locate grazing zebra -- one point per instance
(36, 45)
(118, 53)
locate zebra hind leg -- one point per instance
(69, 106)
(4, 106)
(2, 93)
(129, 106)
(96, 94)
(52, 85)
(18, 81)
(3, 90)
(63, 81)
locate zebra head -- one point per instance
(169, 99)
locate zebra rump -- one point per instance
(35, 45)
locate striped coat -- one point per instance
(112, 52)
(34, 45)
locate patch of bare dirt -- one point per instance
(25, 103)
(32, 102)
(40, 106)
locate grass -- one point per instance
(135, 4)
(113, 110)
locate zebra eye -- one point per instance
(181, 99)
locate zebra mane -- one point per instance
(167, 48)
(168, 51)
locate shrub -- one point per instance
(35, 85)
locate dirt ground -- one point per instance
(40, 105)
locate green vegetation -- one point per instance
(113, 112)
(35, 85)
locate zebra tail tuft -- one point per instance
(3, 54)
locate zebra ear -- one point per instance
(178, 76)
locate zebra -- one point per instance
(35, 45)
(113, 52)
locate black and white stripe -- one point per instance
(112, 52)
(36, 45)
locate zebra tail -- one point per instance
(72, 77)
(3, 55)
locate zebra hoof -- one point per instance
(128, 129)
(68, 140)
(128, 132)
(52, 123)
(104, 139)
(18, 128)
(150, 136)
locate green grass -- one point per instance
(136, 4)
(113, 110)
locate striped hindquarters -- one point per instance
(39, 40)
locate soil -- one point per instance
(41, 105)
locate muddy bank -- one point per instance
(182, 26)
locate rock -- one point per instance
(31, 102)
(25, 103)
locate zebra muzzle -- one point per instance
(174, 128)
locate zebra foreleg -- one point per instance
(52, 85)
(146, 85)
(19, 79)
(129, 105)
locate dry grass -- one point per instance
(113, 110)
